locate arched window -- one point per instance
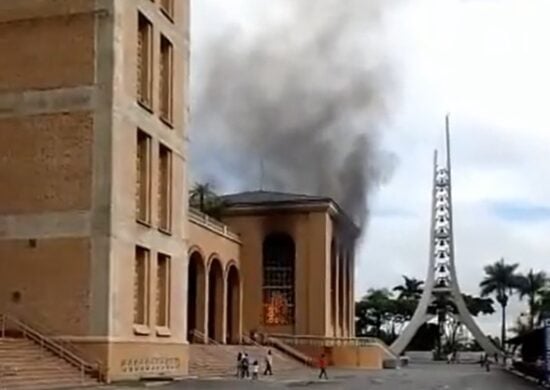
(278, 279)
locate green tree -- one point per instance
(448, 323)
(532, 285)
(203, 197)
(500, 280)
(478, 305)
(520, 327)
(544, 305)
(411, 289)
(440, 307)
(373, 311)
(199, 195)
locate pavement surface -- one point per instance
(416, 377)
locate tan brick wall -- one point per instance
(51, 52)
(52, 280)
(45, 163)
(311, 290)
(30, 9)
(368, 357)
(211, 243)
(128, 117)
(136, 360)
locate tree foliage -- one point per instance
(203, 197)
(501, 280)
(411, 289)
(383, 314)
(532, 286)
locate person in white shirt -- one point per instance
(268, 363)
(255, 369)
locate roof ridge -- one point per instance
(277, 193)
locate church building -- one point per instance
(101, 259)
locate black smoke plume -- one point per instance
(303, 98)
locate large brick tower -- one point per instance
(93, 120)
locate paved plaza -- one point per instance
(416, 377)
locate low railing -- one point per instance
(36, 320)
(531, 370)
(289, 350)
(211, 223)
(201, 338)
(10, 323)
(325, 341)
(321, 341)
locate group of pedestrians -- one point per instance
(248, 368)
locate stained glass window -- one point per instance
(278, 279)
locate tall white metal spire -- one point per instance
(441, 276)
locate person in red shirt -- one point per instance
(323, 367)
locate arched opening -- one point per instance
(195, 295)
(215, 301)
(233, 330)
(279, 251)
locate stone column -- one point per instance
(345, 294)
(203, 303)
(221, 312)
(341, 289)
(240, 312)
(336, 314)
(351, 298)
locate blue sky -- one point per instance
(487, 63)
(520, 212)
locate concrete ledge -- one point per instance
(35, 102)
(47, 225)
(525, 377)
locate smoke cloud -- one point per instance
(303, 98)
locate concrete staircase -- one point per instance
(221, 360)
(25, 365)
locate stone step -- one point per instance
(221, 360)
(24, 365)
(72, 383)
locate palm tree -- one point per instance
(532, 286)
(478, 305)
(520, 328)
(411, 289)
(440, 307)
(373, 310)
(501, 280)
(200, 193)
(544, 305)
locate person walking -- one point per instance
(239, 364)
(255, 369)
(323, 367)
(268, 363)
(487, 363)
(245, 366)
